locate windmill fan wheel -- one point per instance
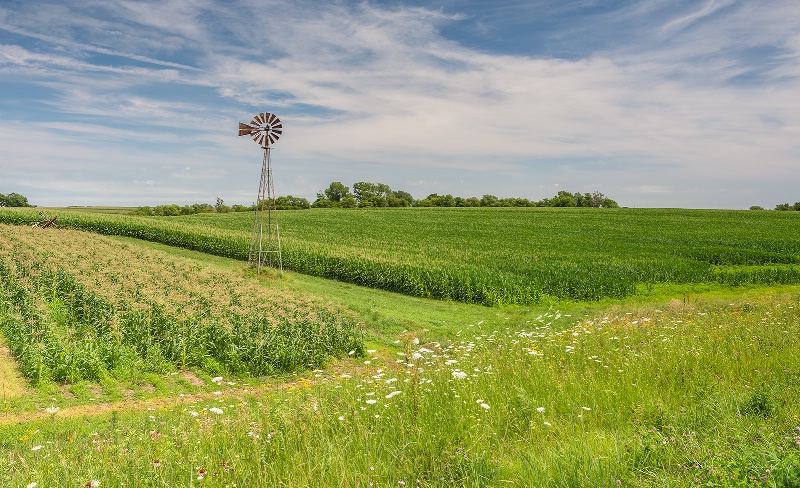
(265, 129)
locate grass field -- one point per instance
(651, 389)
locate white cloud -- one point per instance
(369, 90)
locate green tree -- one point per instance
(220, 206)
(349, 202)
(14, 200)
(783, 207)
(324, 203)
(202, 208)
(403, 195)
(516, 202)
(490, 201)
(335, 192)
(609, 203)
(291, 203)
(563, 199)
(393, 201)
(170, 210)
(472, 202)
(598, 199)
(367, 192)
(145, 210)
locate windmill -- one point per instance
(265, 129)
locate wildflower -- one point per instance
(52, 410)
(36, 448)
(394, 393)
(217, 379)
(372, 401)
(201, 473)
(215, 410)
(92, 484)
(540, 409)
(485, 406)
(586, 408)
(459, 375)
(32, 484)
(548, 424)
(156, 463)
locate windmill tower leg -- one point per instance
(265, 214)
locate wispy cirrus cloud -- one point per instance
(679, 96)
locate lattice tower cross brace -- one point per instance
(265, 212)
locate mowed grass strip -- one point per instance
(12, 384)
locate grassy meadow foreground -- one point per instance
(135, 364)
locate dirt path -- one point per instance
(11, 418)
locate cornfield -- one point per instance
(495, 256)
(76, 306)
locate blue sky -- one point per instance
(655, 103)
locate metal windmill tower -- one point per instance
(265, 129)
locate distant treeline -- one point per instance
(14, 200)
(781, 207)
(371, 195)
(379, 195)
(281, 203)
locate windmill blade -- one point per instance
(265, 129)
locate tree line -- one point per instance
(288, 202)
(785, 207)
(371, 195)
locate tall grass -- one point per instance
(681, 397)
